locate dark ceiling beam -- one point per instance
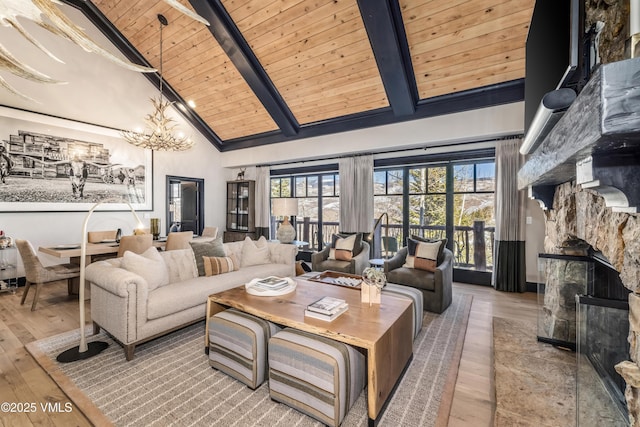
(98, 19)
(385, 28)
(234, 44)
(488, 96)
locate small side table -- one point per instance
(8, 269)
(298, 243)
(376, 262)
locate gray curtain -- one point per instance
(356, 194)
(263, 206)
(509, 267)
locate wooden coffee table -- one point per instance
(383, 331)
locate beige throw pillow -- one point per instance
(342, 248)
(149, 265)
(255, 252)
(181, 264)
(422, 255)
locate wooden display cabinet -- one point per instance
(240, 210)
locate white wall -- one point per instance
(100, 92)
(459, 127)
(51, 228)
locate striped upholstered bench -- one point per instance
(415, 295)
(238, 344)
(315, 375)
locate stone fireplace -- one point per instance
(581, 214)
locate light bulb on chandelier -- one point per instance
(159, 133)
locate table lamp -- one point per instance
(285, 207)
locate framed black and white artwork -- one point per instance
(52, 164)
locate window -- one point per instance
(388, 197)
(450, 199)
(318, 205)
(280, 187)
(473, 215)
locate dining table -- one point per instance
(95, 252)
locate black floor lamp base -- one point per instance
(74, 354)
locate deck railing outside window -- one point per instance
(473, 245)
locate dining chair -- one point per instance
(136, 244)
(37, 274)
(210, 232)
(178, 240)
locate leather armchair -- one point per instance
(320, 261)
(435, 287)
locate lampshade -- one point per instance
(285, 207)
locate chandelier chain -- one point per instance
(159, 133)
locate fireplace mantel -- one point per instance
(596, 142)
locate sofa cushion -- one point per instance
(176, 297)
(342, 248)
(422, 255)
(412, 277)
(149, 265)
(220, 265)
(428, 240)
(211, 248)
(181, 264)
(255, 252)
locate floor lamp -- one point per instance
(84, 350)
(371, 236)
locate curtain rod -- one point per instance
(453, 144)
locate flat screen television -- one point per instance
(554, 51)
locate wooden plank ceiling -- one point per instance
(272, 70)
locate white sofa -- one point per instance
(132, 312)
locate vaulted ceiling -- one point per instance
(267, 71)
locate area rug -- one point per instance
(535, 382)
(170, 382)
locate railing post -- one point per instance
(305, 230)
(479, 246)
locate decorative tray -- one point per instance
(338, 278)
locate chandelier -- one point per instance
(159, 134)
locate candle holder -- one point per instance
(154, 228)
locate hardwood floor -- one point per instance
(22, 381)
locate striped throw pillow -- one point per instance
(422, 255)
(218, 265)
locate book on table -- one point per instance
(327, 317)
(272, 283)
(326, 305)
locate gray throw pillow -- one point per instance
(212, 248)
